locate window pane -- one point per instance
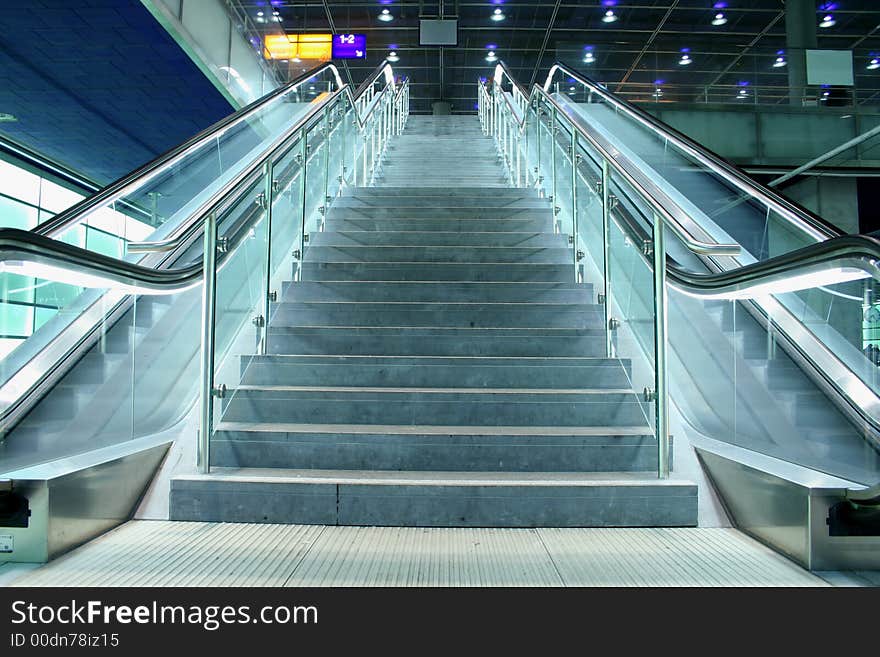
(103, 243)
(16, 215)
(15, 320)
(18, 183)
(57, 198)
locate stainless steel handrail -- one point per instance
(172, 243)
(819, 228)
(124, 185)
(672, 214)
(138, 281)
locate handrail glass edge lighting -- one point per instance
(687, 249)
(304, 141)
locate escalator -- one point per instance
(761, 330)
(110, 373)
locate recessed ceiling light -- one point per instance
(497, 15)
(386, 16)
(828, 21)
(720, 19)
(609, 16)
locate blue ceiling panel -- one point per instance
(99, 85)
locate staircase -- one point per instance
(436, 366)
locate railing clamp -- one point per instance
(273, 296)
(580, 255)
(297, 254)
(647, 247)
(613, 201)
(556, 210)
(613, 324)
(306, 238)
(321, 209)
(599, 186)
(261, 200)
(649, 395)
(222, 244)
(298, 158)
(571, 239)
(259, 321)
(600, 299)
(219, 391)
(276, 185)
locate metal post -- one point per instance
(538, 172)
(553, 148)
(606, 246)
(303, 193)
(574, 196)
(268, 195)
(661, 397)
(326, 164)
(209, 310)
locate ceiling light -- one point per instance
(720, 19)
(589, 58)
(658, 92)
(497, 15)
(685, 60)
(491, 56)
(392, 56)
(828, 21)
(609, 16)
(260, 18)
(386, 16)
(780, 62)
(874, 64)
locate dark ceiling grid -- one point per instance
(632, 50)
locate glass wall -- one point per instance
(27, 199)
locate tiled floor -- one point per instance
(162, 553)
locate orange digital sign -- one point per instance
(303, 46)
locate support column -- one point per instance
(800, 36)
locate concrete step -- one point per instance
(418, 292)
(404, 448)
(540, 223)
(439, 254)
(484, 408)
(450, 315)
(375, 341)
(433, 372)
(412, 205)
(439, 499)
(457, 272)
(439, 239)
(485, 216)
(433, 192)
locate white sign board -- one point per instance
(834, 67)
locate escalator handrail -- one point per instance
(174, 241)
(675, 217)
(117, 190)
(51, 258)
(791, 212)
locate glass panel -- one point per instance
(240, 293)
(631, 303)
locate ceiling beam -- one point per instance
(647, 45)
(739, 57)
(333, 31)
(544, 44)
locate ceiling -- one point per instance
(98, 86)
(643, 46)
